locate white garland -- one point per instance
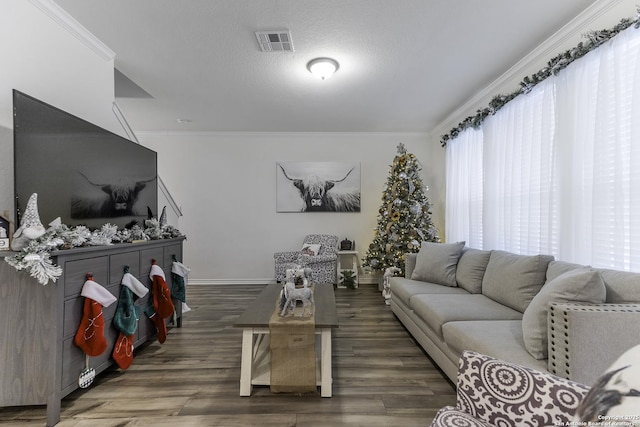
(35, 258)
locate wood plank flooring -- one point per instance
(381, 377)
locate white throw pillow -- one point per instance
(615, 397)
(310, 249)
(580, 285)
(437, 263)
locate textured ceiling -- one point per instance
(404, 65)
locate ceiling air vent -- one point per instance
(275, 41)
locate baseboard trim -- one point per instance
(218, 282)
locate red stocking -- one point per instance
(123, 351)
(90, 336)
(162, 303)
(161, 326)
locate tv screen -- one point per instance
(81, 172)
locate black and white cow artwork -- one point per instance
(108, 200)
(321, 194)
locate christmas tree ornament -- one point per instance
(30, 226)
(87, 375)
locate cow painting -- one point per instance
(108, 200)
(318, 187)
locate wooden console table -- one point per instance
(256, 364)
(39, 362)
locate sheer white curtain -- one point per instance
(560, 166)
(598, 149)
(464, 189)
(518, 174)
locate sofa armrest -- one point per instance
(502, 393)
(409, 264)
(289, 256)
(584, 339)
(316, 259)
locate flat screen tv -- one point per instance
(81, 172)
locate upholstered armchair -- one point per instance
(318, 252)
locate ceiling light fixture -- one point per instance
(323, 68)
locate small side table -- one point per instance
(351, 263)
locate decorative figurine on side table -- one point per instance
(386, 288)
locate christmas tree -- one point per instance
(404, 219)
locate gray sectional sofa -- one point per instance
(555, 316)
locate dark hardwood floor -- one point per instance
(381, 377)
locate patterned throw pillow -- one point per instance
(310, 249)
(504, 394)
(615, 397)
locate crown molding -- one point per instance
(249, 134)
(531, 63)
(73, 27)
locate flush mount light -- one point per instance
(323, 68)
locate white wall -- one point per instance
(602, 14)
(43, 58)
(226, 184)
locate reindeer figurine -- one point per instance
(291, 294)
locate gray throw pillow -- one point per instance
(513, 280)
(471, 267)
(580, 285)
(436, 263)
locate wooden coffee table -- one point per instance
(255, 366)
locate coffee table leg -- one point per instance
(246, 363)
(325, 363)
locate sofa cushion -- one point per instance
(403, 289)
(513, 280)
(437, 262)
(577, 285)
(436, 310)
(496, 338)
(622, 286)
(556, 268)
(471, 267)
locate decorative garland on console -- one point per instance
(559, 62)
(35, 258)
